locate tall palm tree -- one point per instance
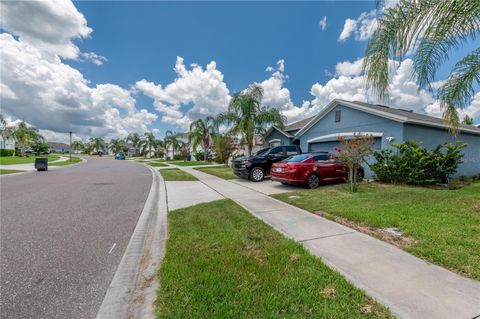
(202, 132)
(430, 29)
(77, 145)
(248, 117)
(98, 144)
(135, 139)
(5, 131)
(116, 145)
(160, 148)
(150, 141)
(172, 140)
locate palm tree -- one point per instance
(135, 139)
(77, 145)
(26, 136)
(202, 132)
(116, 145)
(97, 144)
(248, 117)
(172, 140)
(160, 148)
(150, 141)
(5, 131)
(429, 29)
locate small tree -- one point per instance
(353, 152)
(224, 147)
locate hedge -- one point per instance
(6, 152)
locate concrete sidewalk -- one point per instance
(409, 286)
(182, 194)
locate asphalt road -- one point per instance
(63, 233)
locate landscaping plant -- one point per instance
(410, 163)
(353, 152)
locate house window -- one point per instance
(338, 116)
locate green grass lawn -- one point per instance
(67, 162)
(9, 171)
(11, 160)
(157, 164)
(221, 262)
(191, 163)
(219, 171)
(175, 174)
(445, 224)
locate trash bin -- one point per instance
(41, 164)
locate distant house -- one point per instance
(320, 133)
(8, 143)
(58, 147)
(184, 137)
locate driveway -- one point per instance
(63, 235)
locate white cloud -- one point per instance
(93, 57)
(47, 25)
(362, 28)
(323, 23)
(203, 88)
(55, 97)
(348, 28)
(348, 68)
(350, 85)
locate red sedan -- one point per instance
(310, 170)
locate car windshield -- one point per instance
(263, 151)
(296, 158)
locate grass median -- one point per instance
(221, 262)
(219, 171)
(175, 174)
(442, 226)
(11, 160)
(9, 171)
(74, 160)
(191, 163)
(156, 164)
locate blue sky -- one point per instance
(138, 83)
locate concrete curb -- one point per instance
(132, 291)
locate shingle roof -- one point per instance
(410, 115)
(298, 125)
(58, 145)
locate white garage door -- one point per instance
(331, 145)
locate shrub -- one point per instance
(6, 152)
(411, 163)
(353, 152)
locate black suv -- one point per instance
(257, 166)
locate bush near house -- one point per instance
(6, 152)
(411, 163)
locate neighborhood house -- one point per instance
(386, 125)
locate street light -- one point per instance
(70, 146)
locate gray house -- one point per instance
(385, 124)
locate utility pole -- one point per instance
(70, 146)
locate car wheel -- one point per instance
(257, 174)
(313, 181)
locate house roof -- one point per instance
(399, 115)
(58, 145)
(298, 125)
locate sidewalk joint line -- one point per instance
(321, 237)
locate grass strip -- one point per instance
(67, 162)
(221, 262)
(175, 174)
(442, 226)
(12, 160)
(219, 171)
(9, 171)
(191, 163)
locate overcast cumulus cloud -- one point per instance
(38, 87)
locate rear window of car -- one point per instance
(296, 158)
(321, 158)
